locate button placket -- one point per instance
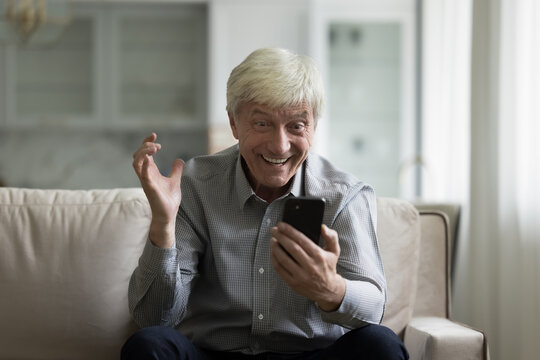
(261, 281)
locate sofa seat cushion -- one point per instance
(65, 262)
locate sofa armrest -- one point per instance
(438, 338)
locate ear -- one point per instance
(232, 122)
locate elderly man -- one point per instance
(221, 277)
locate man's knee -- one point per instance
(374, 342)
(157, 342)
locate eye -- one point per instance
(261, 125)
(298, 127)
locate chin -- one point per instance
(278, 184)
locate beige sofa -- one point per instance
(66, 258)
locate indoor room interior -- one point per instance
(436, 102)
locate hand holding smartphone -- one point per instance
(305, 214)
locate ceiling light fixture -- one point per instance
(22, 20)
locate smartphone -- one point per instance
(305, 214)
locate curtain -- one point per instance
(504, 263)
(446, 125)
(497, 283)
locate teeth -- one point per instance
(275, 161)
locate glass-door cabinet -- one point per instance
(77, 99)
(367, 52)
(113, 65)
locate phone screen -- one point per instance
(305, 214)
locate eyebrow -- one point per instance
(303, 115)
(299, 115)
(258, 111)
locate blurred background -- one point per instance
(83, 82)
(434, 101)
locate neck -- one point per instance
(268, 194)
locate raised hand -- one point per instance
(163, 193)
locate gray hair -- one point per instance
(276, 78)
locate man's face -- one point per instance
(273, 143)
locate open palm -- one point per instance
(163, 193)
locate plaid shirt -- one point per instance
(217, 285)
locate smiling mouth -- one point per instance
(275, 161)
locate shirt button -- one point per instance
(261, 316)
(268, 221)
(261, 270)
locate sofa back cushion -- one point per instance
(65, 262)
(398, 231)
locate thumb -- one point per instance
(331, 239)
(177, 169)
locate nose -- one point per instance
(279, 143)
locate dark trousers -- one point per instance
(369, 342)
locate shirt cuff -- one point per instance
(363, 304)
(159, 260)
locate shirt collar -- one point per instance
(244, 190)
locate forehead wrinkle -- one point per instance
(295, 113)
(289, 113)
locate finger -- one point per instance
(147, 148)
(145, 171)
(291, 247)
(307, 245)
(147, 144)
(138, 164)
(138, 159)
(177, 169)
(151, 138)
(331, 239)
(149, 173)
(282, 272)
(281, 260)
